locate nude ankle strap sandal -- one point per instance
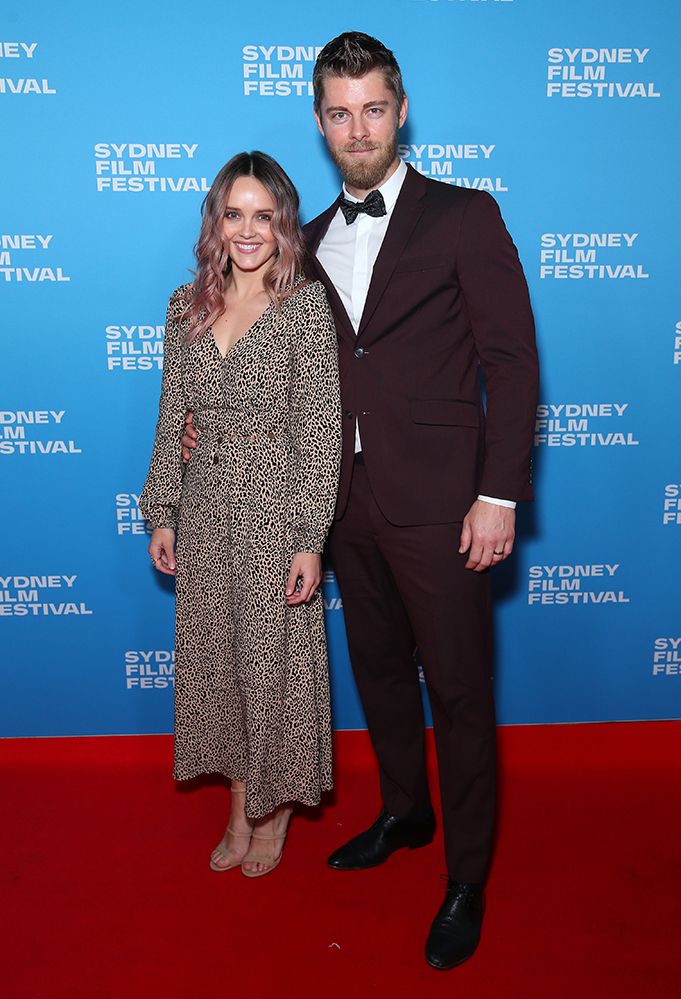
(216, 867)
(229, 867)
(272, 865)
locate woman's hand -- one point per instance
(162, 550)
(190, 437)
(306, 566)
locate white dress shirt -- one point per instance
(348, 254)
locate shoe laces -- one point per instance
(459, 888)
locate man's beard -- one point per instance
(364, 175)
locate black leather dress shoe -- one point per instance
(455, 932)
(387, 834)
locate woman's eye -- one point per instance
(265, 218)
(231, 215)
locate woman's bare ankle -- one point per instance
(238, 820)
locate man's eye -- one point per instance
(339, 115)
(375, 111)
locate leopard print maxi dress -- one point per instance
(251, 688)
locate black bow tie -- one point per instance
(373, 205)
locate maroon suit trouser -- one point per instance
(406, 587)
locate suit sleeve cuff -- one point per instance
(498, 502)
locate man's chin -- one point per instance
(364, 174)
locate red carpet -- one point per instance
(107, 891)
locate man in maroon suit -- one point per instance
(427, 289)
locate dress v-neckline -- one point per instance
(241, 337)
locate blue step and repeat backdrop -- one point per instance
(114, 120)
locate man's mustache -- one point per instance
(358, 147)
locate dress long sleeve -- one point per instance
(315, 422)
(160, 497)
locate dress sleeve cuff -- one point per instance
(308, 543)
(161, 517)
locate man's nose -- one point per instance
(359, 129)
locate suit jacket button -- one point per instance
(359, 351)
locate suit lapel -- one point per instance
(315, 230)
(314, 234)
(406, 213)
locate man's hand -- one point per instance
(306, 566)
(162, 550)
(191, 435)
(489, 532)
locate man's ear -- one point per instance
(319, 122)
(402, 117)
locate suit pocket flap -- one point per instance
(421, 263)
(444, 412)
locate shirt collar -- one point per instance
(390, 189)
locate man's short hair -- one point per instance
(355, 54)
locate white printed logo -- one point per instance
(26, 596)
(583, 73)
(149, 669)
(134, 348)
(132, 166)
(278, 70)
(577, 255)
(561, 585)
(129, 517)
(30, 247)
(677, 343)
(332, 602)
(671, 510)
(569, 424)
(22, 84)
(446, 162)
(667, 657)
(17, 425)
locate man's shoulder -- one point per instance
(315, 221)
(450, 196)
(310, 227)
(457, 209)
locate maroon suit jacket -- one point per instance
(447, 298)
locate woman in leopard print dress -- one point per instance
(250, 349)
